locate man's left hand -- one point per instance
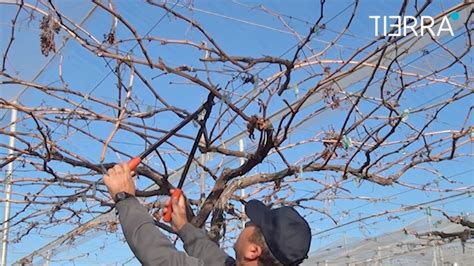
(178, 216)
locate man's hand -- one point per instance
(178, 216)
(119, 179)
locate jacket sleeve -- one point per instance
(197, 244)
(148, 243)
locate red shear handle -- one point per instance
(134, 162)
(169, 209)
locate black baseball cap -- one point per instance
(286, 232)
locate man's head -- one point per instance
(251, 247)
(273, 237)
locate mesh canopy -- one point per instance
(400, 247)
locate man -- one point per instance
(272, 237)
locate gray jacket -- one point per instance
(152, 247)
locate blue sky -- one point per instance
(240, 30)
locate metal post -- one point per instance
(379, 256)
(435, 257)
(48, 258)
(8, 188)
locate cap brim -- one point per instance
(257, 212)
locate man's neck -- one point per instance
(247, 263)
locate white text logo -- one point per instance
(401, 26)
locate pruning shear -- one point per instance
(134, 162)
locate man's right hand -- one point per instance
(119, 179)
(178, 216)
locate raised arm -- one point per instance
(196, 242)
(148, 243)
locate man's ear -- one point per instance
(253, 252)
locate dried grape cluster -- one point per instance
(49, 27)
